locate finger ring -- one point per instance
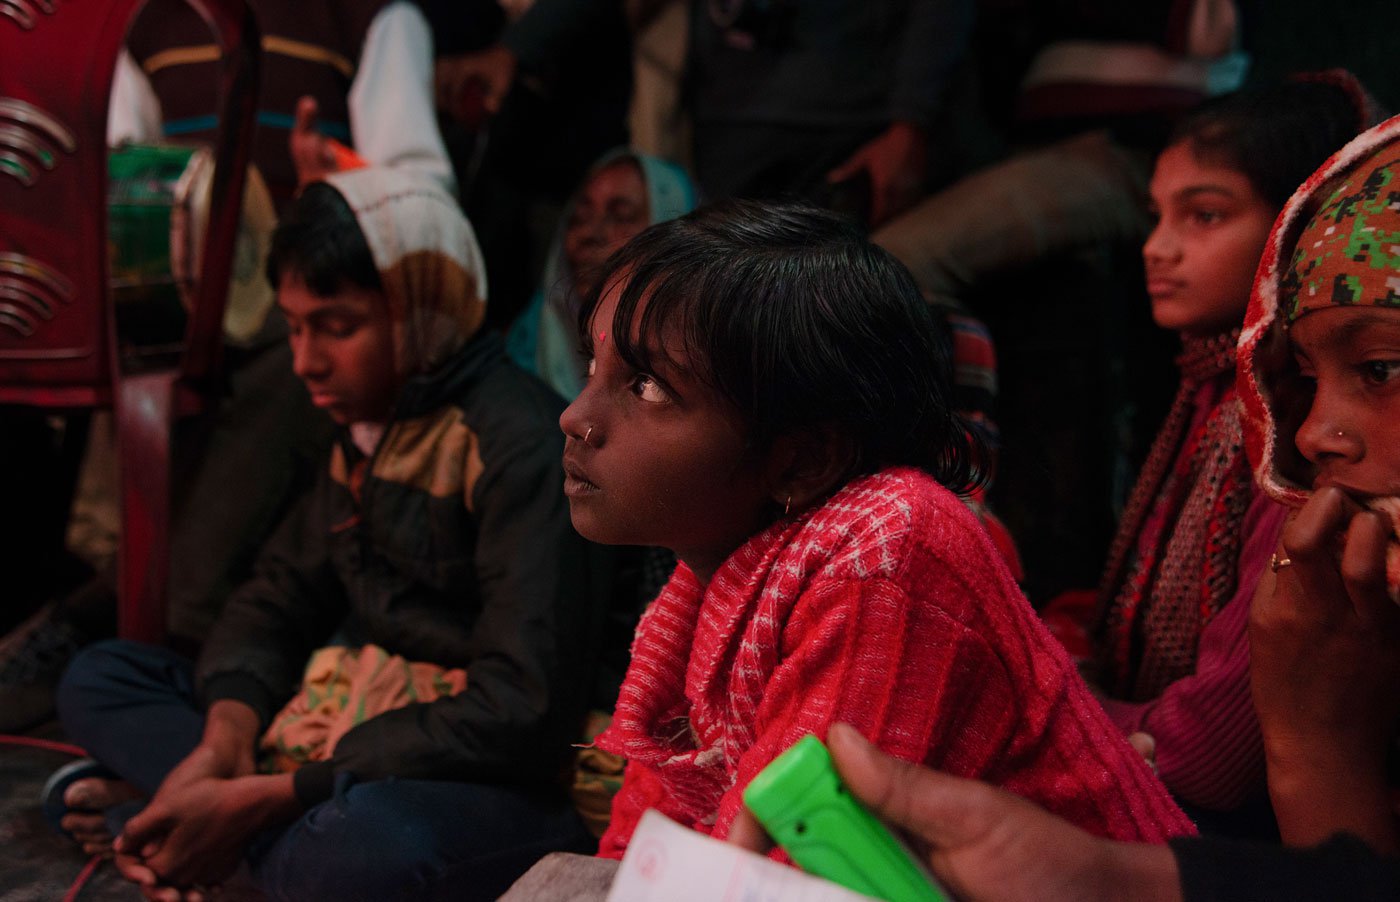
(1277, 563)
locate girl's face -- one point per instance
(1201, 255)
(1351, 355)
(610, 209)
(659, 458)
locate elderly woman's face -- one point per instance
(610, 209)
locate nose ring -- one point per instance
(587, 434)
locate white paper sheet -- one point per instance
(666, 861)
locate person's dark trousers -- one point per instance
(134, 709)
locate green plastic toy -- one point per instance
(805, 807)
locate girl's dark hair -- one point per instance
(1276, 135)
(319, 239)
(789, 313)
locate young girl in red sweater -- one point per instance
(768, 398)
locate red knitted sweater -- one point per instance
(888, 608)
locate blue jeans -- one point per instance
(134, 708)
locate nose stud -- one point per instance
(590, 432)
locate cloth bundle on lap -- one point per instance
(342, 688)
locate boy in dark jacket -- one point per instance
(434, 567)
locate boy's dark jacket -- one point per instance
(460, 553)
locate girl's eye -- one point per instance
(1207, 217)
(1380, 372)
(648, 389)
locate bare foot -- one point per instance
(87, 800)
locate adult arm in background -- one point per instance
(1208, 748)
(936, 38)
(529, 44)
(392, 118)
(1326, 675)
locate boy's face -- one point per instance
(1201, 255)
(658, 458)
(1351, 357)
(342, 348)
(609, 211)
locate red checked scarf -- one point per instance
(1173, 563)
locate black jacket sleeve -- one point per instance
(258, 647)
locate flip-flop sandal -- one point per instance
(51, 797)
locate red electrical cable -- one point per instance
(83, 877)
(49, 745)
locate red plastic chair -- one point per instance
(57, 335)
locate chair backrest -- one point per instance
(56, 318)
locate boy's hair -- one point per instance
(319, 240)
(790, 314)
(1276, 135)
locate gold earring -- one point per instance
(787, 506)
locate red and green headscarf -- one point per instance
(1336, 243)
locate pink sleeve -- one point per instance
(1209, 751)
